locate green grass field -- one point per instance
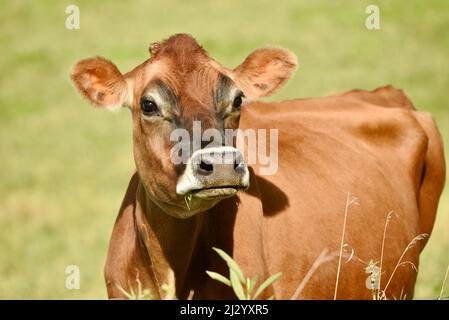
(64, 166)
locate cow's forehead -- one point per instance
(184, 67)
(198, 82)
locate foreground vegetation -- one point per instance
(64, 166)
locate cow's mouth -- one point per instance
(216, 192)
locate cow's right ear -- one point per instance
(100, 82)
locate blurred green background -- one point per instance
(64, 166)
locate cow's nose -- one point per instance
(219, 163)
(216, 167)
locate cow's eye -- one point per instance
(149, 107)
(238, 101)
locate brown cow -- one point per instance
(361, 161)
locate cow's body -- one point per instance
(372, 145)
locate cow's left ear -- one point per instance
(264, 71)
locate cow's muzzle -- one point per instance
(217, 172)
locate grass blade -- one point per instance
(237, 285)
(231, 264)
(252, 284)
(219, 277)
(267, 282)
(128, 295)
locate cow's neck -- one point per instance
(169, 242)
(180, 250)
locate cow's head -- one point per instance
(178, 85)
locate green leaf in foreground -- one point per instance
(252, 284)
(219, 277)
(266, 283)
(243, 287)
(237, 285)
(231, 264)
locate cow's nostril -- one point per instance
(205, 168)
(236, 164)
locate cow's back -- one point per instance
(385, 156)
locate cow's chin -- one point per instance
(192, 205)
(214, 193)
(198, 201)
(201, 200)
